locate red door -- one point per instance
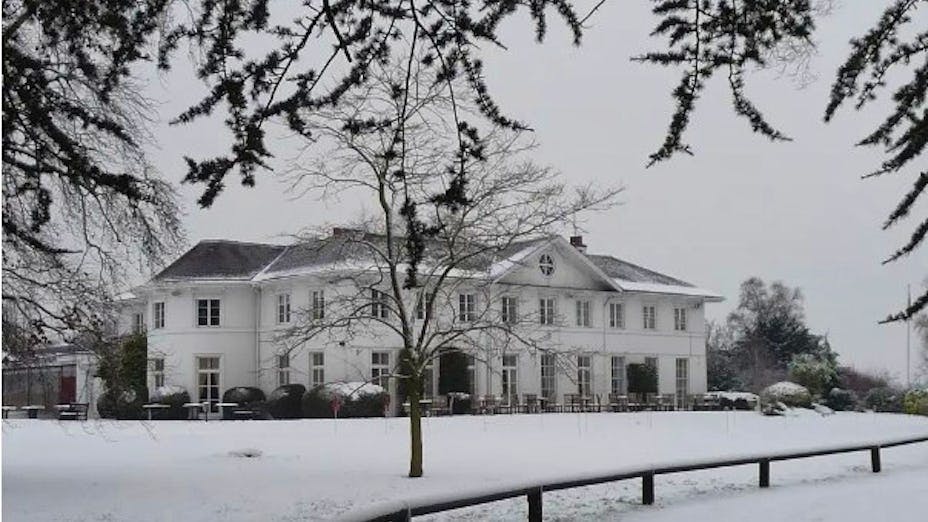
(67, 386)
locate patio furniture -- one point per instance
(152, 407)
(489, 404)
(551, 405)
(32, 411)
(530, 403)
(222, 407)
(712, 402)
(665, 402)
(618, 402)
(439, 406)
(7, 410)
(572, 402)
(72, 411)
(195, 408)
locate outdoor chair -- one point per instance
(439, 405)
(712, 402)
(618, 402)
(530, 403)
(666, 402)
(489, 404)
(551, 405)
(572, 402)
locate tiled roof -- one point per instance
(619, 269)
(220, 259)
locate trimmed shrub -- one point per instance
(285, 401)
(816, 372)
(884, 399)
(106, 405)
(916, 402)
(357, 400)
(462, 403)
(246, 397)
(841, 400)
(642, 378)
(173, 396)
(789, 393)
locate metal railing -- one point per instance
(403, 511)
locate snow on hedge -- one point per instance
(354, 389)
(166, 391)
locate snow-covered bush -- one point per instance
(173, 396)
(841, 400)
(789, 393)
(284, 402)
(885, 399)
(916, 402)
(356, 399)
(818, 373)
(246, 397)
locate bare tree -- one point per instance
(424, 264)
(80, 202)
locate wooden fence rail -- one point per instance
(533, 494)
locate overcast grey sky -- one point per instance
(795, 212)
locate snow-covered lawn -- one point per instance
(321, 469)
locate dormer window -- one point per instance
(546, 264)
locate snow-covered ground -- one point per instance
(322, 469)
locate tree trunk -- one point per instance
(415, 428)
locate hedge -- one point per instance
(285, 401)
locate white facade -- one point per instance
(662, 321)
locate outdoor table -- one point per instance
(194, 409)
(152, 407)
(33, 411)
(7, 410)
(222, 405)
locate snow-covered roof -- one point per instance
(222, 260)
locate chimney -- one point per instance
(577, 242)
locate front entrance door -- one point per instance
(67, 385)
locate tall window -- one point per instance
(428, 381)
(207, 312)
(510, 379)
(679, 319)
(380, 367)
(618, 375)
(318, 304)
(583, 313)
(652, 363)
(548, 376)
(467, 307)
(584, 375)
(472, 375)
(683, 381)
(420, 305)
(156, 369)
(649, 313)
(316, 369)
(283, 308)
(546, 310)
(208, 380)
(157, 314)
(616, 315)
(378, 304)
(283, 369)
(510, 311)
(138, 323)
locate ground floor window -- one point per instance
(584, 375)
(156, 371)
(208, 380)
(380, 367)
(316, 369)
(683, 381)
(472, 375)
(618, 375)
(510, 379)
(548, 376)
(428, 381)
(652, 362)
(283, 369)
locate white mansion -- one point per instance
(213, 317)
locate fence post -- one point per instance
(534, 505)
(765, 473)
(875, 458)
(647, 488)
